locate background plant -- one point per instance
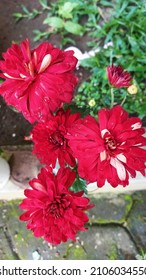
(63, 17)
(126, 30)
(121, 22)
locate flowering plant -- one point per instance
(108, 148)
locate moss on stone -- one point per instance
(1, 203)
(129, 205)
(75, 253)
(5, 154)
(101, 221)
(100, 215)
(113, 253)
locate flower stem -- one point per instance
(111, 57)
(123, 100)
(112, 97)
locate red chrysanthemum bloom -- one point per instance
(118, 77)
(110, 149)
(38, 81)
(49, 139)
(53, 211)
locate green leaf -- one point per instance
(106, 3)
(18, 16)
(43, 3)
(79, 185)
(121, 9)
(55, 22)
(25, 10)
(74, 28)
(66, 9)
(90, 62)
(133, 43)
(39, 35)
(67, 40)
(34, 13)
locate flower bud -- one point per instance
(92, 102)
(132, 89)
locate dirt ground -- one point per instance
(12, 31)
(13, 126)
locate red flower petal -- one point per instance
(118, 77)
(50, 141)
(37, 81)
(109, 150)
(57, 217)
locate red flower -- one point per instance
(53, 211)
(37, 81)
(118, 77)
(111, 149)
(49, 139)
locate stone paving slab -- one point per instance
(104, 243)
(136, 222)
(22, 240)
(5, 250)
(110, 208)
(117, 230)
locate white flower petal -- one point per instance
(45, 63)
(136, 125)
(122, 158)
(11, 77)
(121, 172)
(103, 132)
(22, 76)
(103, 155)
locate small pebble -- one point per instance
(13, 134)
(36, 255)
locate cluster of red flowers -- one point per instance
(110, 148)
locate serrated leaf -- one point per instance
(74, 28)
(79, 185)
(55, 22)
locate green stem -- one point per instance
(123, 100)
(112, 97)
(111, 57)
